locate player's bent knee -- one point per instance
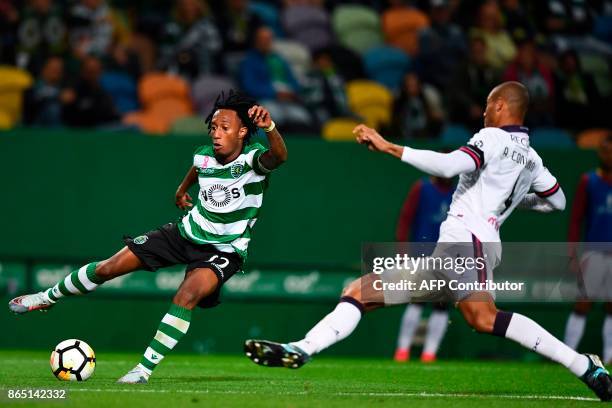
(187, 299)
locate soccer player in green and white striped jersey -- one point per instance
(211, 239)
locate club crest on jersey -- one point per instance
(237, 169)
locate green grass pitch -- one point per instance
(234, 381)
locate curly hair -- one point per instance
(239, 103)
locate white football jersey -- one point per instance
(507, 168)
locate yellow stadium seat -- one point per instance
(5, 121)
(13, 82)
(339, 129)
(370, 100)
(591, 138)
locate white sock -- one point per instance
(410, 321)
(607, 339)
(574, 329)
(528, 333)
(334, 327)
(436, 328)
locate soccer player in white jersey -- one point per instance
(211, 239)
(497, 169)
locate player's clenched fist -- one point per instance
(260, 116)
(370, 138)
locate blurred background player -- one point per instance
(423, 211)
(592, 212)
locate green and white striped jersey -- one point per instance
(229, 199)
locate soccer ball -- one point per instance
(73, 360)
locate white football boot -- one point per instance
(27, 303)
(137, 375)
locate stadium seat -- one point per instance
(122, 89)
(370, 100)
(171, 108)
(296, 54)
(147, 123)
(269, 15)
(308, 25)
(357, 27)
(339, 129)
(5, 121)
(156, 86)
(603, 28)
(164, 98)
(206, 89)
(591, 138)
(13, 82)
(549, 137)
(387, 65)
(401, 28)
(189, 126)
(455, 135)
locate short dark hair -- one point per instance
(239, 103)
(516, 96)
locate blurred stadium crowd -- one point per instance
(408, 67)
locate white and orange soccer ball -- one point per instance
(73, 360)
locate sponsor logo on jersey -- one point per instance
(219, 195)
(141, 239)
(237, 169)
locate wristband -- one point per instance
(271, 128)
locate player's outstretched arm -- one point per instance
(182, 199)
(445, 165)
(555, 202)
(277, 154)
